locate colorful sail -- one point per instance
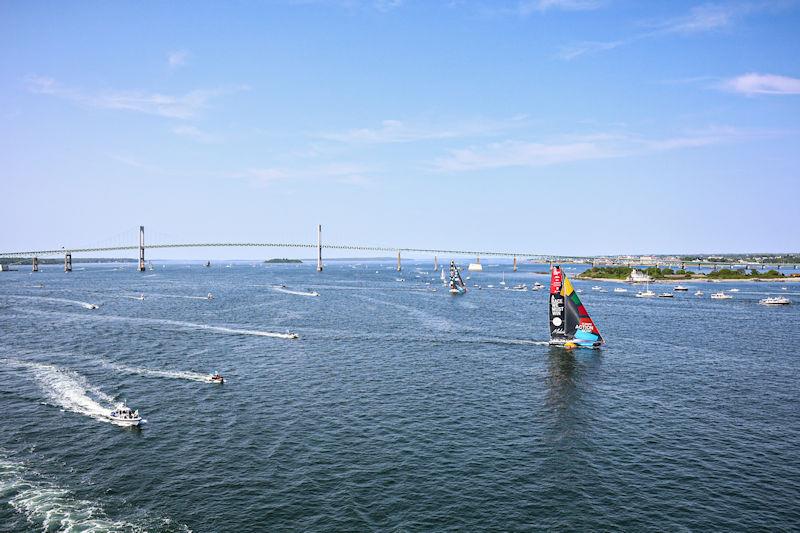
(456, 283)
(569, 321)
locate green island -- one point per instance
(282, 260)
(622, 273)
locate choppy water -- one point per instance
(398, 408)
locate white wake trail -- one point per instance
(150, 372)
(284, 290)
(69, 390)
(85, 305)
(54, 507)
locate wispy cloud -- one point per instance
(574, 50)
(703, 18)
(526, 154)
(753, 83)
(344, 173)
(195, 134)
(181, 106)
(396, 131)
(529, 6)
(177, 58)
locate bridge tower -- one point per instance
(399, 267)
(68, 262)
(319, 247)
(141, 249)
(515, 263)
(35, 267)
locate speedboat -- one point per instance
(721, 296)
(210, 296)
(734, 290)
(123, 415)
(140, 297)
(680, 288)
(775, 300)
(216, 377)
(597, 288)
(620, 289)
(645, 294)
(519, 287)
(537, 286)
(666, 295)
(699, 293)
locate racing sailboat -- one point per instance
(456, 283)
(570, 324)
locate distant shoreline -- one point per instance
(678, 281)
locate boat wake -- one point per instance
(149, 372)
(69, 390)
(85, 305)
(54, 507)
(284, 290)
(166, 322)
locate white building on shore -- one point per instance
(638, 277)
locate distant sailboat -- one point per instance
(570, 324)
(208, 264)
(456, 283)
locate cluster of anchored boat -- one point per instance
(123, 415)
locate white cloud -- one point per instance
(182, 106)
(704, 18)
(525, 154)
(587, 47)
(177, 58)
(195, 133)
(345, 173)
(396, 131)
(529, 6)
(754, 83)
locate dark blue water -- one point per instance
(398, 408)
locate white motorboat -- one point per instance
(620, 289)
(699, 293)
(140, 297)
(490, 286)
(123, 415)
(680, 288)
(645, 294)
(475, 267)
(734, 290)
(721, 296)
(775, 300)
(216, 377)
(538, 286)
(597, 288)
(519, 287)
(666, 295)
(210, 296)
(782, 288)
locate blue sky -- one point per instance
(553, 126)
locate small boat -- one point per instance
(734, 290)
(680, 288)
(520, 287)
(123, 415)
(721, 296)
(216, 377)
(140, 297)
(699, 293)
(475, 267)
(597, 288)
(210, 296)
(208, 264)
(456, 285)
(782, 288)
(620, 289)
(490, 286)
(666, 295)
(399, 279)
(228, 266)
(645, 294)
(537, 286)
(570, 323)
(503, 282)
(775, 300)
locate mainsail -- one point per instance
(569, 321)
(456, 283)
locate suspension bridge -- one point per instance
(34, 255)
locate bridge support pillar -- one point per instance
(141, 249)
(67, 262)
(319, 247)
(399, 266)
(35, 267)
(515, 263)
(435, 263)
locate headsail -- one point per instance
(456, 283)
(569, 321)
